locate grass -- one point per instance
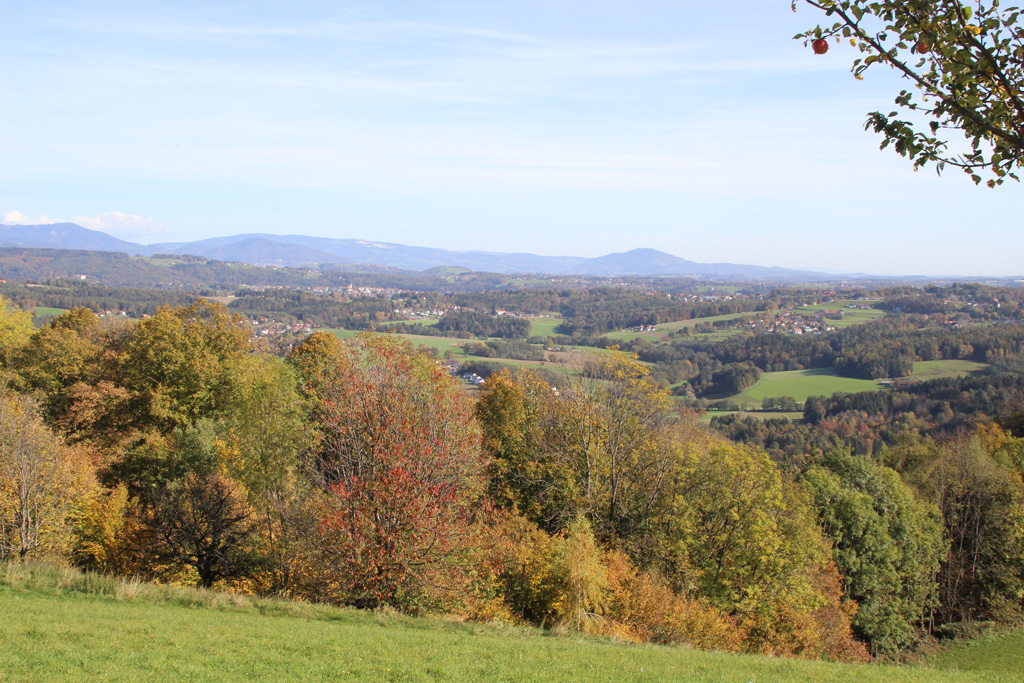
(1002, 653)
(851, 316)
(42, 311)
(823, 381)
(630, 335)
(839, 304)
(761, 415)
(426, 322)
(695, 321)
(544, 327)
(857, 317)
(62, 625)
(800, 384)
(934, 369)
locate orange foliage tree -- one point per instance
(400, 467)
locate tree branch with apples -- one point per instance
(965, 64)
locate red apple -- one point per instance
(820, 46)
(922, 47)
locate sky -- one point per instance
(558, 127)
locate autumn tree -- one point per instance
(515, 412)
(965, 65)
(744, 536)
(400, 475)
(41, 483)
(179, 364)
(982, 505)
(202, 523)
(62, 357)
(594, 447)
(610, 432)
(15, 329)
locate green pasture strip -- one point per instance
(630, 335)
(341, 334)
(426, 322)
(544, 327)
(759, 414)
(716, 336)
(824, 382)
(800, 384)
(694, 321)
(49, 310)
(839, 304)
(440, 344)
(171, 634)
(934, 369)
(858, 317)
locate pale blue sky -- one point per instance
(556, 127)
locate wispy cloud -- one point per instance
(120, 223)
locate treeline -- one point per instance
(868, 421)
(325, 310)
(515, 350)
(484, 325)
(68, 294)
(968, 301)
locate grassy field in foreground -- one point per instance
(151, 633)
(997, 652)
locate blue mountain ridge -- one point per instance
(302, 250)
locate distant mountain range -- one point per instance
(300, 250)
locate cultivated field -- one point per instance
(61, 626)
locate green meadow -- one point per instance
(42, 311)
(711, 319)
(851, 316)
(59, 625)
(799, 384)
(544, 327)
(426, 322)
(1002, 653)
(934, 369)
(761, 415)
